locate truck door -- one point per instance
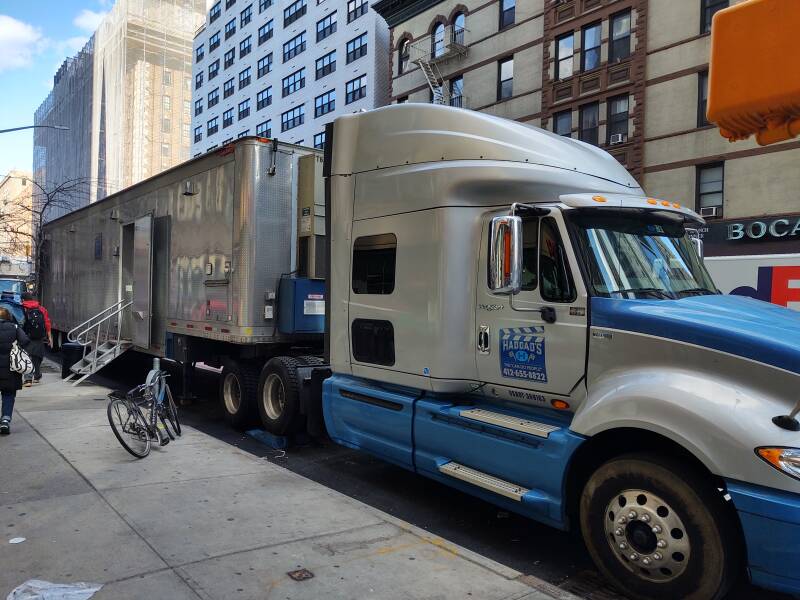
(142, 281)
(533, 345)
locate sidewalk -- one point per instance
(202, 519)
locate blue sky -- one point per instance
(35, 38)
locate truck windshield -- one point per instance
(630, 253)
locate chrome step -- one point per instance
(482, 480)
(508, 422)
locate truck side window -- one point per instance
(554, 271)
(373, 341)
(530, 245)
(374, 264)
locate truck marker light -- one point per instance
(664, 203)
(652, 201)
(599, 198)
(786, 460)
(675, 205)
(559, 404)
(507, 255)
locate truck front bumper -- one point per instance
(771, 524)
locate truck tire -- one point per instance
(238, 385)
(657, 529)
(279, 395)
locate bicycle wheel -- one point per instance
(171, 412)
(129, 427)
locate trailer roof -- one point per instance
(413, 133)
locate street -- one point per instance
(522, 544)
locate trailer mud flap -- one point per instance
(366, 416)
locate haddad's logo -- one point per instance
(490, 307)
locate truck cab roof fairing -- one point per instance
(413, 133)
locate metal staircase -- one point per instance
(428, 54)
(101, 338)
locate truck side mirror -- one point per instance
(697, 241)
(505, 255)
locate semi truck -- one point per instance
(508, 313)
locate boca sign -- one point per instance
(774, 229)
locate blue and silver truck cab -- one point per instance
(510, 314)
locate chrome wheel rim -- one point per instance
(274, 397)
(232, 393)
(647, 536)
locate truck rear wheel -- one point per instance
(237, 392)
(279, 396)
(656, 529)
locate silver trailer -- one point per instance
(189, 264)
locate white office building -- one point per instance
(284, 69)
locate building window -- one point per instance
(213, 70)
(226, 142)
(355, 89)
(294, 11)
(437, 40)
(702, 99)
(590, 52)
(265, 32)
(710, 189)
(620, 37)
(212, 126)
(617, 128)
(402, 100)
(708, 8)
(326, 65)
(166, 125)
(245, 46)
(229, 3)
(198, 134)
(293, 118)
(326, 26)
(264, 98)
(264, 65)
(589, 117)
(505, 78)
(227, 118)
(263, 5)
(507, 8)
(244, 78)
(356, 8)
(356, 48)
(562, 123)
(198, 107)
(213, 42)
(213, 97)
(294, 82)
(230, 28)
(229, 57)
(324, 103)
(319, 141)
(457, 92)
(294, 46)
(246, 16)
(245, 133)
(215, 12)
(166, 77)
(374, 264)
(228, 88)
(199, 53)
(565, 49)
(403, 56)
(264, 129)
(198, 81)
(244, 109)
(459, 27)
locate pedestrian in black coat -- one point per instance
(10, 382)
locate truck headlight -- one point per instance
(783, 459)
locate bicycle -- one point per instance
(138, 416)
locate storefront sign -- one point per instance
(766, 228)
(777, 234)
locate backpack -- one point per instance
(19, 361)
(34, 324)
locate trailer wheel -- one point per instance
(237, 392)
(279, 395)
(657, 529)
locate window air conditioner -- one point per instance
(709, 211)
(617, 138)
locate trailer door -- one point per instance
(142, 280)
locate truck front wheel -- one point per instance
(656, 529)
(237, 392)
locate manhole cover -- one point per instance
(300, 574)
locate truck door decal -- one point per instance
(522, 354)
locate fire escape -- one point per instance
(433, 51)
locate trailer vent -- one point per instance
(188, 189)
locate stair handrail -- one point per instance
(85, 337)
(74, 338)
